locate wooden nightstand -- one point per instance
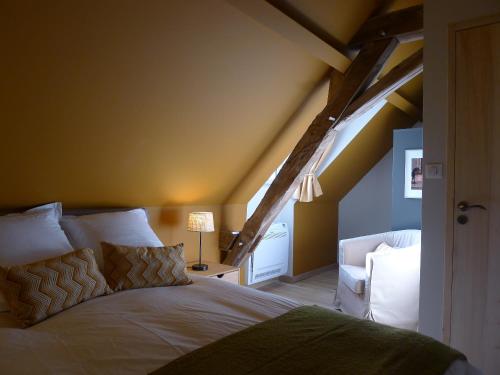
(221, 271)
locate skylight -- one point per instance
(347, 134)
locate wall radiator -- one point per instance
(270, 259)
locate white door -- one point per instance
(475, 294)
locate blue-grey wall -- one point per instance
(406, 212)
(359, 213)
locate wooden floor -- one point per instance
(317, 290)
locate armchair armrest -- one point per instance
(353, 251)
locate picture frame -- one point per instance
(414, 175)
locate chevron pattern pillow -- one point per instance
(39, 290)
(127, 267)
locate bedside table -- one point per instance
(221, 271)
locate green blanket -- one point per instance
(312, 340)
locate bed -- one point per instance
(139, 331)
(134, 331)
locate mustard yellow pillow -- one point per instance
(127, 267)
(41, 289)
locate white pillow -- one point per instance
(384, 248)
(395, 283)
(31, 236)
(128, 228)
(54, 208)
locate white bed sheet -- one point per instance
(138, 331)
(135, 331)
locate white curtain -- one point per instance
(310, 188)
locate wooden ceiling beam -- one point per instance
(403, 104)
(274, 19)
(388, 84)
(406, 25)
(365, 67)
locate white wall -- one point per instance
(366, 209)
(438, 14)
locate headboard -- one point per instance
(72, 211)
(90, 211)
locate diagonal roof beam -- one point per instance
(365, 67)
(316, 138)
(406, 25)
(274, 19)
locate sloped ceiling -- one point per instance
(145, 102)
(293, 129)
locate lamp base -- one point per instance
(199, 267)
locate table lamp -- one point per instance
(200, 222)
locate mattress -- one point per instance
(138, 331)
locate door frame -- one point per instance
(450, 162)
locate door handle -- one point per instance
(464, 206)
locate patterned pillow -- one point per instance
(39, 290)
(127, 267)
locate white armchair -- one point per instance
(382, 286)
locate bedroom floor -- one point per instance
(319, 289)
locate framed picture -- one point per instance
(414, 177)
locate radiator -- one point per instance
(270, 259)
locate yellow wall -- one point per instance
(133, 103)
(316, 223)
(281, 145)
(233, 216)
(315, 227)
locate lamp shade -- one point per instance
(201, 222)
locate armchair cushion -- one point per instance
(394, 289)
(382, 248)
(353, 277)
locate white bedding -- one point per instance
(138, 331)
(135, 331)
